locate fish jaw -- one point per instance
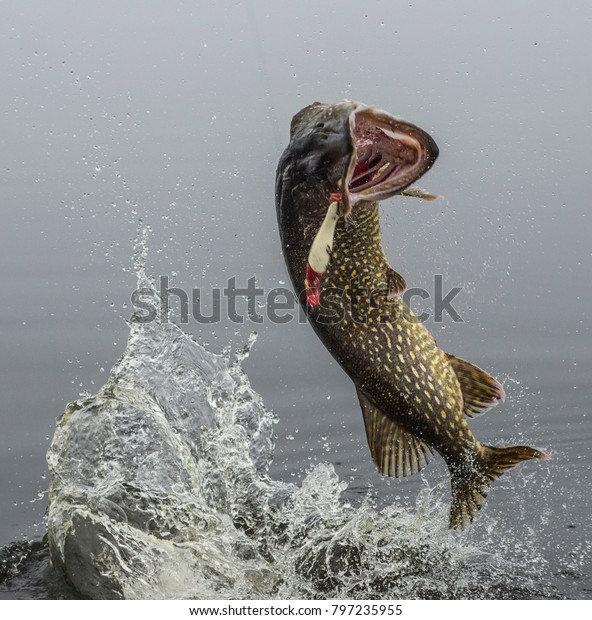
(389, 154)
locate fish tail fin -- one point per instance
(470, 480)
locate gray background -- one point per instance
(118, 115)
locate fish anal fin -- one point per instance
(395, 451)
(395, 283)
(480, 390)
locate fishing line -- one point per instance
(264, 74)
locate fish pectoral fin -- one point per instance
(395, 283)
(395, 451)
(479, 389)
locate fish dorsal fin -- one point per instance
(395, 283)
(480, 390)
(395, 451)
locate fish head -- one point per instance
(316, 161)
(356, 151)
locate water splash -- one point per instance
(160, 489)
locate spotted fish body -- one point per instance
(415, 398)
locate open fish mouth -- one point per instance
(389, 155)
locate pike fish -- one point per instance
(341, 161)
